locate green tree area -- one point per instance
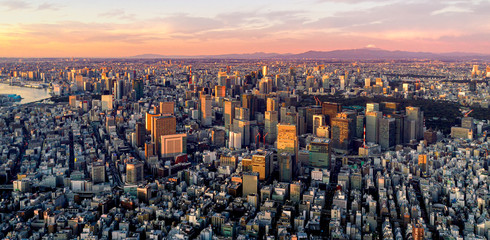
(439, 115)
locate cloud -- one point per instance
(451, 9)
(48, 6)
(14, 4)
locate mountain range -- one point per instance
(350, 54)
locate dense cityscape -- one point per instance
(209, 149)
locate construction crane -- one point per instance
(468, 113)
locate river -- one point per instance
(28, 94)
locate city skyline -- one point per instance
(90, 29)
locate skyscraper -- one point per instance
(230, 106)
(387, 133)
(341, 133)
(106, 101)
(138, 88)
(98, 172)
(330, 110)
(167, 107)
(119, 89)
(262, 163)
(173, 144)
(270, 126)
(206, 112)
(162, 125)
(134, 172)
(248, 101)
(250, 183)
(140, 134)
(414, 124)
(320, 152)
(287, 139)
(372, 126)
(286, 166)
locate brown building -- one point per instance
(162, 125)
(167, 107)
(330, 110)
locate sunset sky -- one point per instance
(89, 28)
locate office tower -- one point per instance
(415, 124)
(230, 106)
(287, 139)
(222, 78)
(149, 120)
(149, 150)
(72, 101)
(390, 107)
(262, 164)
(106, 102)
(235, 140)
(206, 113)
(242, 113)
(330, 110)
(162, 125)
(98, 172)
(265, 70)
(173, 145)
(310, 112)
(372, 107)
(467, 122)
(372, 126)
(295, 191)
(119, 89)
(270, 126)
(318, 121)
(219, 91)
(79, 82)
(367, 82)
(342, 82)
(248, 101)
(379, 82)
(134, 172)
(341, 133)
(250, 183)
(230, 161)
(218, 137)
(423, 162)
(167, 107)
(243, 127)
(140, 134)
(326, 81)
(272, 104)
(319, 152)
(286, 166)
(474, 71)
(387, 133)
(138, 88)
(265, 85)
(360, 122)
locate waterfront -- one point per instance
(28, 94)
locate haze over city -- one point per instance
(127, 28)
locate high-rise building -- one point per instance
(387, 133)
(149, 120)
(106, 101)
(173, 145)
(467, 122)
(270, 126)
(372, 126)
(206, 112)
(295, 191)
(341, 133)
(230, 106)
(262, 163)
(149, 150)
(423, 162)
(286, 166)
(242, 127)
(272, 104)
(119, 89)
(414, 124)
(138, 88)
(372, 107)
(162, 125)
(134, 172)
(319, 152)
(318, 121)
(98, 172)
(140, 134)
(248, 101)
(330, 110)
(310, 112)
(219, 91)
(250, 183)
(287, 139)
(167, 107)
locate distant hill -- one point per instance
(349, 54)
